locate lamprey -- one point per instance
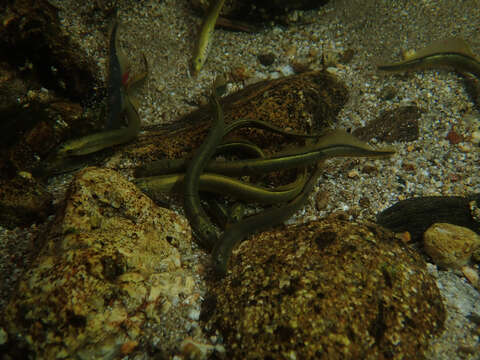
(259, 124)
(123, 102)
(237, 232)
(205, 37)
(101, 140)
(451, 53)
(245, 147)
(199, 221)
(166, 166)
(336, 143)
(224, 185)
(116, 80)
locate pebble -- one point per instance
(450, 246)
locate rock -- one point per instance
(417, 214)
(265, 11)
(326, 290)
(394, 125)
(31, 35)
(110, 265)
(302, 103)
(450, 246)
(45, 81)
(23, 200)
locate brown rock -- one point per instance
(107, 268)
(303, 103)
(395, 125)
(450, 246)
(327, 290)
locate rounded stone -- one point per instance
(326, 290)
(450, 246)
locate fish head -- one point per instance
(196, 65)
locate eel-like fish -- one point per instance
(166, 166)
(451, 53)
(120, 101)
(237, 232)
(98, 141)
(116, 81)
(224, 185)
(336, 143)
(196, 215)
(205, 37)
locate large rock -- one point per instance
(326, 290)
(110, 264)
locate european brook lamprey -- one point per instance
(120, 101)
(197, 217)
(116, 80)
(170, 166)
(223, 185)
(101, 140)
(237, 232)
(336, 143)
(450, 53)
(205, 37)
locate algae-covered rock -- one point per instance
(111, 263)
(327, 290)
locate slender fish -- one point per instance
(116, 80)
(451, 53)
(166, 166)
(237, 232)
(196, 215)
(336, 143)
(224, 185)
(101, 140)
(205, 37)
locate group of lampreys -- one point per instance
(203, 173)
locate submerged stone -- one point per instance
(110, 264)
(450, 246)
(327, 290)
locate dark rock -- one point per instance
(418, 214)
(266, 59)
(42, 75)
(394, 125)
(264, 11)
(23, 201)
(32, 34)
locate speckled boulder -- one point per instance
(326, 290)
(111, 263)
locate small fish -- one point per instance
(205, 37)
(121, 103)
(451, 53)
(117, 79)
